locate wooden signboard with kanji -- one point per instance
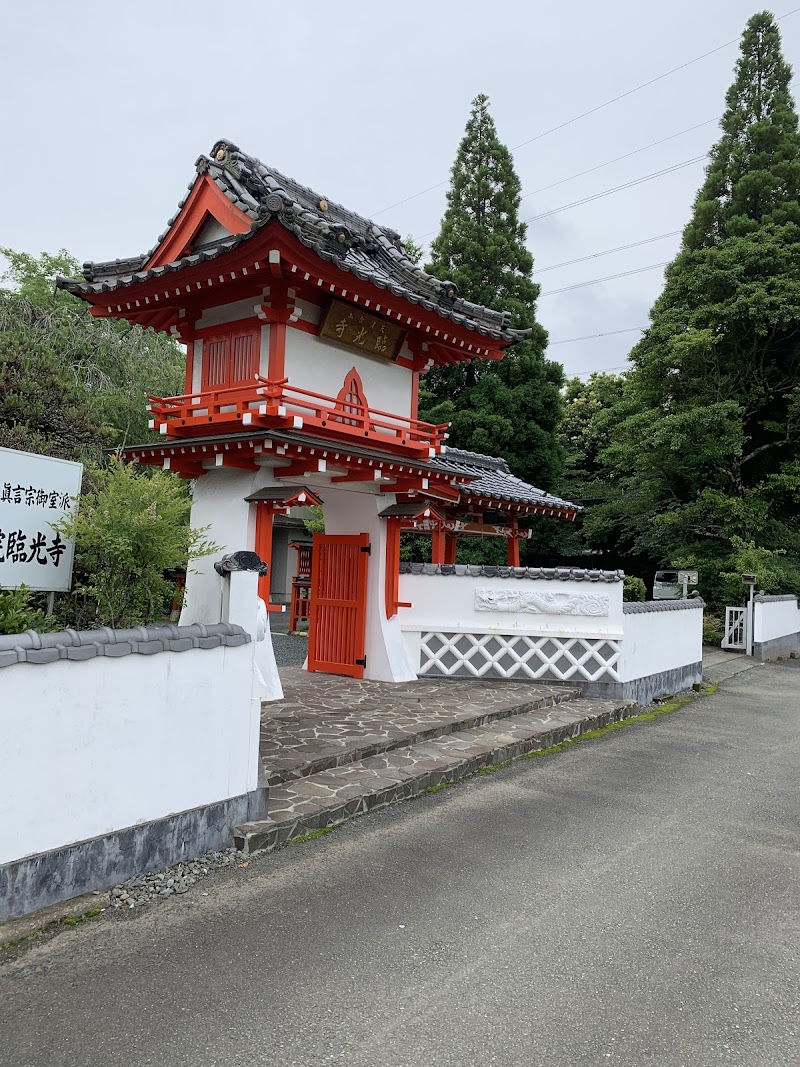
(360, 330)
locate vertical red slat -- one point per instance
(337, 630)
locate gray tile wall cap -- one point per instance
(561, 574)
(33, 647)
(764, 598)
(639, 608)
(373, 253)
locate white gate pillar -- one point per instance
(348, 511)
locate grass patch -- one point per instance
(312, 835)
(590, 735)
(49, 929)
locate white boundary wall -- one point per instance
(568, 629)
(660, 640)
(474, 625)
(93, 747)
(776, 626)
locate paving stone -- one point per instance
(336, 748)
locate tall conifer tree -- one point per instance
(512, 407)
(706, 461)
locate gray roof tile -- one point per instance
(493, 479)
(372, 253)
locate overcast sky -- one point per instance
(108, 105)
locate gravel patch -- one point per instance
(174, 881)
(290, 649)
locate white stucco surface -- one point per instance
(448, 603)
(320, 366)
(351, 512)
(657, 641)
(775, 618)
(97, 746)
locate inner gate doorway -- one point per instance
(338, 617)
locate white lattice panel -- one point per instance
(515, 656)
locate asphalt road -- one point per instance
(631, 901)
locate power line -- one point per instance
(608, 278)
(591, 111)
(617, 188)
(592, 336)
(606, 252)
(618, 159)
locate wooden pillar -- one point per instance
(513, 551)
(264, 517)
(392, 589)
(449, 548)
(438, 546)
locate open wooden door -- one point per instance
(338, 621)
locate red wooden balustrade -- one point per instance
(264, 404)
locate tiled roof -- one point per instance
(486, 477)
(493, 479)
(372, 253)
(484, 570)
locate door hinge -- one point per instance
(367, 549)
(362, 662)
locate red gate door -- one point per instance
(338, 622)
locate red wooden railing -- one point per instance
(261, 403)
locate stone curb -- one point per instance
(393, 785)
(281, 776)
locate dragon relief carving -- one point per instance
(536, 603)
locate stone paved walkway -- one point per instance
(336, 748)
(326, 721)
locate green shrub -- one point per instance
(130, 528)
(18, 614)
(712, 629)
(633, 589)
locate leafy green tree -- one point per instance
(116, 366)
(42, 408)
(34, 277)
(510, 407)
(414, 251)
(704, 460)
(129, 529)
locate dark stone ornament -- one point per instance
(241, 561)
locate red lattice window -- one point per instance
(351, 407)
(230, 355)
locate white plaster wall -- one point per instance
(218, 316)
(321, 367)
(447, 603)
(218, 503)
(96, 746)
(197, 366)
(657, 641)
(775, 618)
(353, 512)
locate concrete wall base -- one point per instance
(642, 690)
(777, 647)
(49, 877)
(645, 690)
